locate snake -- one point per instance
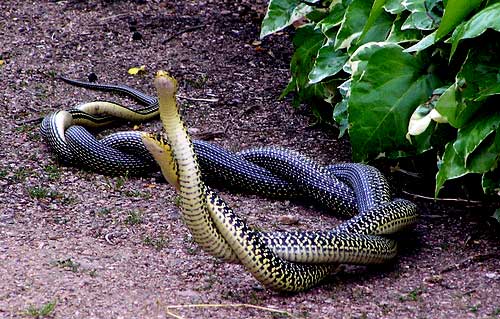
(124, 153)
(221, 232)
(267, 171)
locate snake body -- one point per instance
(290, 261)
(207, 225)
(258, 252)
(124, 153)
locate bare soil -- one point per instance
(114, 247)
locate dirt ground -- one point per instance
(94, 246)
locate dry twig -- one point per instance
(237, 305)
(469, 260)
(189, 29)
(183, 97)
(458, 200)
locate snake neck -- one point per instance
(53, 128)
(191, 189)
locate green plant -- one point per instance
(68, 264)
(53, 172)
(68, 200)
(52, 74)
(158, 243)
(402, 77)
(118, 183)
(23, 128)
(137, 193)
(133, 218)
(104, 211)
(21, 174)
(40, 192)
(474, 308)
(177, 201)
(413, 295)
(42, 311)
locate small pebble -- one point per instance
(288, 220)
(92, 77)
(492, 275)
(136, 36)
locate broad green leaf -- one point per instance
(496, 215)
(485, 156)
(422, 15)
(340, 116)
(478, 79)
(452, 166)
(353, 22)
(454, 13)
(488, 18)
(419, 120)
(377, 9)
(419, 21)
(397, 35)
(328, 63)
(491, 182)
(423, 44)
(334, 17)
(494, 89)
(282, 13)
(394, 6)
(387, 85)
(422, 142)
(425, 115)
(448, 106)
(359, 61)
(307, 42)
(289, 88)
(378, 31)
(472, 135)
(316, 15)
(452, 106)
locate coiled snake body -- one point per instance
(289, 261)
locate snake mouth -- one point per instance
(159, 147)
(166, 82)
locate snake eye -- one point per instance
(159, 137)
(162, 138)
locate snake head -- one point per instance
(166, 83)
(159, 147)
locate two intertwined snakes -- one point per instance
(290, 261)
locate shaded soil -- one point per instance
(115, 247)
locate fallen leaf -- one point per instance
(288, 220)
(137, 70)
(496, 215)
